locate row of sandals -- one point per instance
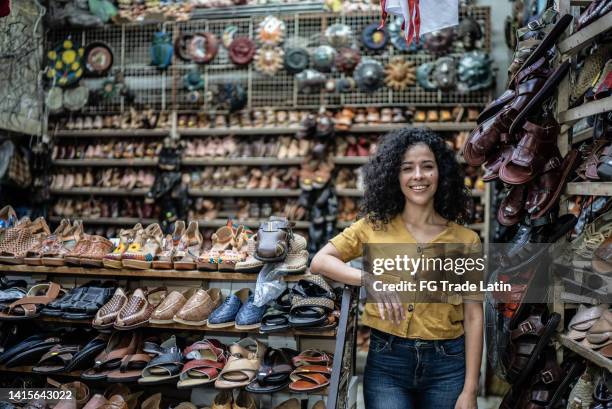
(516, 138)
(234, 248)
(131, 357)
(310, 305)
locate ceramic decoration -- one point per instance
(440, 42)
(54, 100)
(369, 75)
(203, 47)
(374, 37)
(193, 82)
(474, 72)
(346, 85)
(398, 39)
(323, 58)
(469, 32)
(400, 73)
(268, 60)
(75, 98)
(271, 31)
(161, 50)
(339, 35)
(242, 50)
(445, 73)
(296, 60)
(181, 46)
(310, 81)
(98, 58)
(347, 59)
(65, 63)
(228, 36)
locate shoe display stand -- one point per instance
(568, 47)
(163, 91)
(339, 341)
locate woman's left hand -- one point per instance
(466, 400)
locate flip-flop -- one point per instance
(130, 369)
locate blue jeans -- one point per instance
(413, 374)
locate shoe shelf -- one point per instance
(587, 109)
(117, 221)
(203, 328)
(112, 133)
(140, 162)
(583, 38)
(582, 136)
(351, 160)
(253, 223)
(100, 191)
(245, 192)
(109, 272)
(28, 370)
(587, 353)
(359, 192)
(284, 130)
(589, 188)
(252, 161)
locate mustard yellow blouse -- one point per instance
(425, 321)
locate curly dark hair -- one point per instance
(383, 198)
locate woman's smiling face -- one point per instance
(418, 176)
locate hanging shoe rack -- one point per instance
(568, 47)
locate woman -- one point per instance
(421, 355)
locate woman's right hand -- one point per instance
(388, 303)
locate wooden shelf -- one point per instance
(253, 161)
(108, 272)
(587, 109)
(287, 130)
(117, 221)
(245, 192)
(100, 191)
(351, 160)
(28, 369)
(203, 328)
(582, 136)
(105, 162)
(580, 3)
(586, 36)
(589, 188)
(252, 223)
(349, 192)
(589, 354)
(112, 133)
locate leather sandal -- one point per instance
(56, 359)
(511, 208)
(165, 367)
(273, 239)
(131, 366)
(33, 256)
(531, 332)
(54, 255)
(119, 345)
(188, 249)
(35, 300)
(139, 307)
(206, 360)
(274, 373)
(310, 378)
(80, 390)
(242, 365)
(106, 316)
(221, 241)
(536, 152)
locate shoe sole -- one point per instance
(190, 323)
(222, 325)
(137, 264)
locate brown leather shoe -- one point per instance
(170, 306)
(106, 316)
(197, 309)
(96, 250)
(138, 309)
